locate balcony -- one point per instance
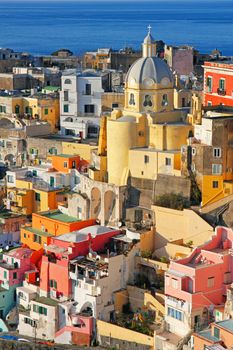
(221, 92)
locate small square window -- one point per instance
(65, 165)
(168, 161)
(37, 197)
(146, 159)
(46, 111)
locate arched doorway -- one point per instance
(95, 202)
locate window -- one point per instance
(37, 197)
(89, 108)
(10, 179)
(67, 81)
(221, 84)
(17, 109)
(73, 164)
(33, 151)
(29, 321)
(217, 152)
(193, 151)
(5, 275)
(147, 101)
(2, 109)
(66, 108)
(175, 314)
(209, 84)
(46, 111)
(146, 159)
(92, 130)
(209, 103)
(165, 100)
(131, 100)
(217, 332)
(115, 105)
(217, 169)
(40, 309)
(210, 282)
(168, 161)
(193, 167)
(14, 275)
(53, 284)
(66, 95)
(174, 283)
(34, 173)
(227, 277)
(52, 150)
(88, 89)
(65, 165)
(37, 239)
(215, 184)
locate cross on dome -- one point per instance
(149, 29)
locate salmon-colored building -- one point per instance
(218, 83)
(197, 284)
(219, 333)
(55, 263)
(47, 224)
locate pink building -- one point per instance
(195, 285)
(13, 268)
(55, 262)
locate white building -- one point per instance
(81, 102)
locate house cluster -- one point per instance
(116, 201)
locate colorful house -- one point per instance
(10, 227)
(47, 224)
(65, 248)
(220, 333)
(218, 83)
(196, 284)
(13, 268)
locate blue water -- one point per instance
(41, 27)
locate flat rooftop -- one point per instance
(226, 324)
(7, 214)
(59, 216)
(46, 301)
(37, 232)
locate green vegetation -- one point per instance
(172, 201)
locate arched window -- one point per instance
(67, 81)
(132, 100)
(165, 100)
(147, 101)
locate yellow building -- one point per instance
(28, 197)
(144, 139)
(44, 107)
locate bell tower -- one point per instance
(149, 45)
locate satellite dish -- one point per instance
(7, 247)
(120, 224)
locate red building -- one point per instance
(55, 262)
(218, 83)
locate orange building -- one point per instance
(48, 224)
(65, 162)
(220, 333)
(218, 83)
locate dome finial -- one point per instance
(149, 29)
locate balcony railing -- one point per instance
(221, 92)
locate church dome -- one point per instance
(148, 71)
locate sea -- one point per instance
(43, 26)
